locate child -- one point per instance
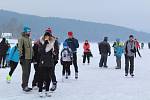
(118, 51)
(66, 60)
(13, 59)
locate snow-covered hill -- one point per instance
(94, 83)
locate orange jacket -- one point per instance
(86, 47)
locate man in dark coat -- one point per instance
(3, 50)
(73, 45)
(105, 51)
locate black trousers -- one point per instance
(52, 74)
(103, 60)
(44, 78)
(86, 56)
(75, 62)
(128, 60)
(66, 68)
(2, 60)
(13, 66)
(35, 79)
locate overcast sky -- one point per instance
(130, 13)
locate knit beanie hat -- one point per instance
(26, 29)
(48, 30)
(70, 33)
(65, 45)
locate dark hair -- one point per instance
(131, 36)
(17, 44)
(48, 34)
(4, 40)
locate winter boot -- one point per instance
(132, 74)
(8, 78)
(3, 66)
(76, 75)
(27, 89)
(54, 86)
(105, 66)
(126, 74)
(117, 68)
(66, 75)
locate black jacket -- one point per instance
(73, 44)
(104, 47)
(45, 58)
(35, 58)
(56, 51)
(3, 47)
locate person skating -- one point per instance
(118, 51)
(105, 51)
(137, 44)
(56, 58)
(149, 45)
(3, 50)
(142, 45)
(73, 45)
(66, 60)
(87, 52)
(35, 61)
(130, 50)
(137, 48)
(46, 63)
(26, 53)
(13, 61)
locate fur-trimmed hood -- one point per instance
(50, 45)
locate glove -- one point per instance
(132, 50)
(55, 62)
(21, 61)
(46, 42)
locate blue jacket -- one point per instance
(73, 44)
(118, 49)
(14, 54)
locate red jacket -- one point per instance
(86, 47)
(137, 44)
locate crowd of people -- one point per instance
(44, 54)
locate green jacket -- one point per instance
(25, 47)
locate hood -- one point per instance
(50, 45)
